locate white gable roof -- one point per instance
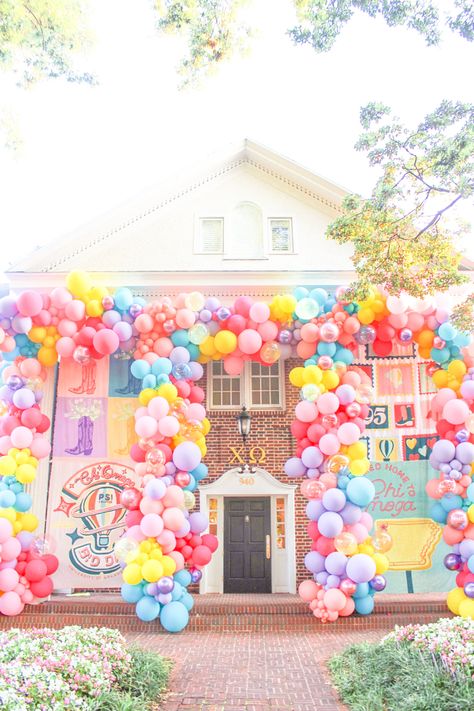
(155, 232)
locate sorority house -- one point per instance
(251, 222)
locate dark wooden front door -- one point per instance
(247, 565)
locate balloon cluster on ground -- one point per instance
(165, 546)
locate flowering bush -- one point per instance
(61, 669)
(450, 641)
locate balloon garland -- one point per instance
(165, 545)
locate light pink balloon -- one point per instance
(152, 525)
(11, 604)
(359, 531)
(151, 506)
(334, 599)
(11, 549)
(40, 447)
(146, 426)
(185, 318)
(196, 411)
(329, 444)
(75, 310)
(328, 403)
(456, 412)
(259, 312)
(348, 433)
(65, 347)
(306, 411)
(167, 540)
(21, 437)
(60, 297)
(233, 365)
(163, 347)
(178, 559)
(268, 330)
(6, 530)
(136, 534)
(249, 341)
(308, 590)
(168, 426)
(174, 496)
(173, 518)
(8, 579)
(5, 444)
(158, 407)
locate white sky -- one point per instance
(87, 149)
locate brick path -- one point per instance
(264, 671)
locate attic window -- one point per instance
(211, 235)
(281, 235)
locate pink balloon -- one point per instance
(158, 407)
(306, 411)
(21, 437)
(5, 444)
(348, 609)
(308, 590)
(11, 604)
(328, 403)
(310, 332)
(178, 559)
(359, 531)
(173, 518)
(152, 525)
(348, 433)
(259, 312)
(40, 447)
(174, 496)
(233, 365)
(335, 599)
(60, 297)
(6, 530)
(144, 323)
(106, 341)
(167, 540)
(151, 506)
(11, 549)
(168, 426)
(249, 341)
(65, 347)
(329, 444)
(9, 579)
(163, 347)
(268, 330)
(146, 426)
(29, 303)
(366, 520)
(456, 412)
(75, 310)
(196, 411)
(136, 534)
(185, 318)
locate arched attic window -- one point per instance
(246, 234)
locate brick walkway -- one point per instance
(264, 671)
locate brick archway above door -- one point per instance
(234, 483)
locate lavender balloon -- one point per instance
(314, 509)
(295, 467)
(330, 524)
(465, 453)
(314, 562)
(198, 522)
(165, 585)
(333, 581)
(360, 568)
(311, 457)
(443, 450)
(334, 500)
(336, 563)
(350, 513)
(469, 589)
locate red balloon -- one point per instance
(51, 562)
(197, 394)
(31, 417)
(385, 332)
(43, 588)
(186, 552)
(35, 570)
(299, 429)
(201, 555)
(313, 531)
(382, 348)
(315, 432)
(195, 540)
(44, 424)
(210, 541)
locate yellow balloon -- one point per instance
(297, 377)
(37, 334)
(470, 513)
(169, 565)
(358, 450)
(454, 599)
(440, 378)
(206, 426)
(312, 374)
(29, 522)
(330, 379)
(366, 548)
(208, 347)
(146, 395)
(457, 368)
(47, 356)
(7, 466)
(26, 473)
(152, 571)
(78, 283)
(94, 308)
(466, 608)
(382, 563)
(359, 467)
(132, 574)
(9, 514)
(168, 391)
(288, 303)
(225, 341)
(365, 316)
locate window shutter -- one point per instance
(212, 235)
(281, 235)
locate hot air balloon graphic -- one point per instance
(100, 512)
(386, 447)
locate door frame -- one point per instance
(260, 483)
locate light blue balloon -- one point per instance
(183, 577)
(23, 501)
(123, 298)
(462, 340)
(470, 563)
(174, 616)
(438, 514)
(447, 331)
(344, 355)
(300, 292)
(319, 295)
(147, 608)
(180, 338)
(440, 355)
(188, 601)
(360, 491)
(451, 501)
(362, 590)
(200, 472)
(140, 368)
(7, 499)
(178, 590)
(327, 348)
(131, 593)
(162, 379)
(192, 484)
(470, 492)
(149, 381)
(161, 365)
(364, 605)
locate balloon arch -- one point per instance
(165, 547)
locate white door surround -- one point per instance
(245, 484)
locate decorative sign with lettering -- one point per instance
(256, 455)
(86, 518)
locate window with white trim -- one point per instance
(259, 386)
(281, 235)
(211, 235)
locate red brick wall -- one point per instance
(270, 429)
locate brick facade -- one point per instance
(270, 429)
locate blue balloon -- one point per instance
(364, 605)
(438, 514)
(180, 338)
(183, 577)
(327, 348)
(319, 295)
(300, 293)
(131, 593)
(140, 368)
(7, 499)
(360, 491)
(362, 590)
(344, 355)
(123, 298)
(177, 591)
(451, 501)
(161, 365)
(447, 331)
(147, 609)
(23, 501)
(470, 563)
(440, 355)
(149, 381)
(174, 616)
(188, 601)
(200, 472)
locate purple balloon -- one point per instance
(360, 568)
(295, 467)
(469, 589)
(205, 315)
(314, 509)
(165, 585)
(378, 583)
(350, 513)
(333, 581)
(8, 306)
(312, 457)
(198, 522)
(24, 398)
(155, 489)
(465, 452)
(180, 354)
(466, 547)
(321, 577)
(334, 499)
(336, 563)
(330, 524)
(452, 561)
(443, 450)
(314, 562)
(196, 575)
(187, 456)
(197, 370)
(26, 539)
(212, 303)
(313, 473)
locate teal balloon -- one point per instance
(183, 577)
(147, 608)
(438, 514)
(161, 365)
(470, 492)
(344, 355)
(131, 593)
(23, 502)
(174, 616)
(188, 601)
(200, 472)
(364, 605)
(447, 331)
(327, 349)
(180, 338)
(451, 501)
(362, 591)
(140, 368)
(194, 351)
(149, 381)
(440, 355)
